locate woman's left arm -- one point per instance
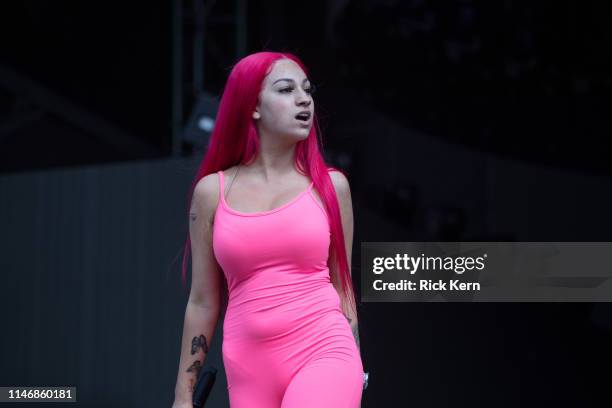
(343, 192)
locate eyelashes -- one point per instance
(310, 90)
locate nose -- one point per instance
(303, 98)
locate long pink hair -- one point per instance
(235, 141)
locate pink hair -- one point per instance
(234, 141)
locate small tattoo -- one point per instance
(198, 342)
(196, 367)
(192, 216)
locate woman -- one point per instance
(274, 224)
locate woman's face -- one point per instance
(285, 108)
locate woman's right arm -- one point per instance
(202, 310)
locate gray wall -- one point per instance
(92, 297)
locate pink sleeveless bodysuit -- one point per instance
(286, 342)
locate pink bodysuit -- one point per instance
(286, 342)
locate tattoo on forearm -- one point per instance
(196, 367)
(192, 216)
(198, 342)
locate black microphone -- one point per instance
(203, 386)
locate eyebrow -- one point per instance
(288, 80)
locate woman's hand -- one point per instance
(182, 404)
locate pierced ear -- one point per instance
(256, 115)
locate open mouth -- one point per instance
(303, 116)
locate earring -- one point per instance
(256, 115)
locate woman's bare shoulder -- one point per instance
(339, 180)
(208, 186)
(206, 194)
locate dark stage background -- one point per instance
(457, 120)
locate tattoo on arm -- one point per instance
(192, 216)
(196, 367)
(198, 342)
